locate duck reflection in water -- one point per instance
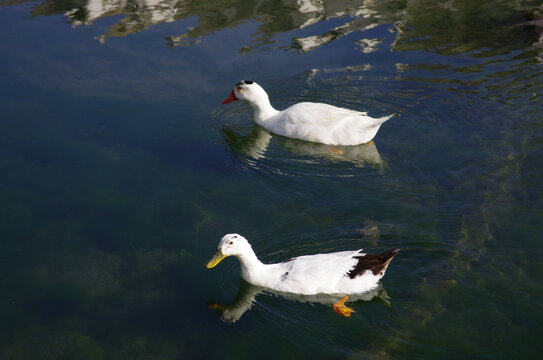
(247, 293)
(257, 142)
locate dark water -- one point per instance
(120, 171)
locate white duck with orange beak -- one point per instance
(316, 122)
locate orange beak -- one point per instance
(231, 98)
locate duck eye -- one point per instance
(230, 242)
(248, 82)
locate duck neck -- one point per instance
(251, 267)
(263, 110)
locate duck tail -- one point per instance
(377, 264)
(386, 118)
(387, 257)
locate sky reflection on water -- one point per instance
(120, 171)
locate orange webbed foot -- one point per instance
(341, 309)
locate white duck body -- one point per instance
(334, 273)
(316, 122)
(313, 274)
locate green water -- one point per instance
(120, 171)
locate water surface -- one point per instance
(120, 171)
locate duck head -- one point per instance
(246, 90)
(231, 244)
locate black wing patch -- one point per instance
(375, 263)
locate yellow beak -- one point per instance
(217, 258)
